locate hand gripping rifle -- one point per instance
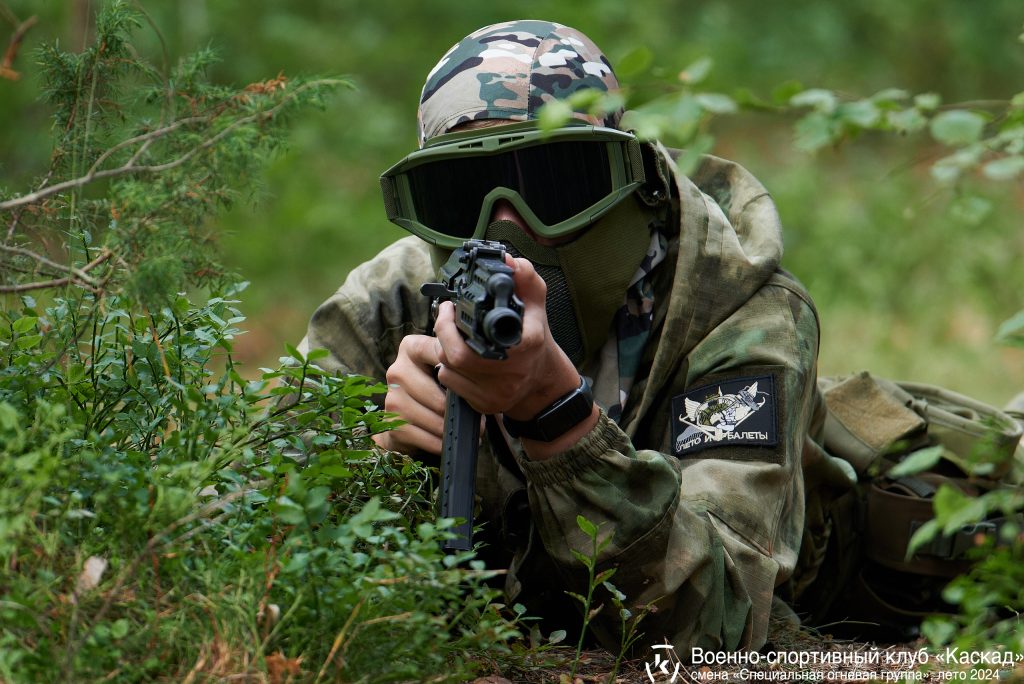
(490, 317)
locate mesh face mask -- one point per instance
(586, 277)
(559, 181)
(560, 309)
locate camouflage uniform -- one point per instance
(706, 512)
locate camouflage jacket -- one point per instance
(700, 482)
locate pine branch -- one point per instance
(131, 168)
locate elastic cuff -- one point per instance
(604, 437)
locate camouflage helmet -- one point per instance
(507, 71)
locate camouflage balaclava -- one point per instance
(507, 71)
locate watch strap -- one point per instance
(562, 415)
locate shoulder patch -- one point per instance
(737, 411)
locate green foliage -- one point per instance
(227, 521)
(627, 620)
(594, 579)
(162, 517)
(988, 599)
(167, 149)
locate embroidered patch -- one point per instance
(732, 412)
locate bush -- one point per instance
(160, 516)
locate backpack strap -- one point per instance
(897, 508)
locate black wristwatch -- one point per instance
(561, 416)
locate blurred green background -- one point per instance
(911, 278)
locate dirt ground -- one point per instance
(791, 655)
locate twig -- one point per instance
(77, 275)
(6, 70)
(95, 174)
(40, 285)
(145, 138)
(80, 274)
(156, 340)
(339, 639)
(11, 229)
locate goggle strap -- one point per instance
(635, 160)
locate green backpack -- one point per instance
(875, 424)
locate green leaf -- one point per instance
(553, 115)
(954, 509)
(950, 167)
(336, 470)
(614, 591)
(971, 209)
(120, 628)
(957, 127)
(24, 324)
(814, 131)
(745, 97)
(691, 157)
(588, 527)
(1012, 330)
(557, 637)
(697, 71)
(317, 354)
(634, 62)
(944, 171)
(784, 92)
(908, 120)
(75, 373)
(917, 462)
(587, 561)
(604, 576)
(927, 101)
(862, 114)
(294, 353)
(890, 95)
(29, 341)
(289, 512)
(938, 630)
(717, 103)
(816, 98)
(1006, 168)
(578, 597)
(924, 534)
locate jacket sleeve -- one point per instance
(703, 537)
(362, 324)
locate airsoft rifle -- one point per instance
(490, 317)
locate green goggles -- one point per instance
(559, 181)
